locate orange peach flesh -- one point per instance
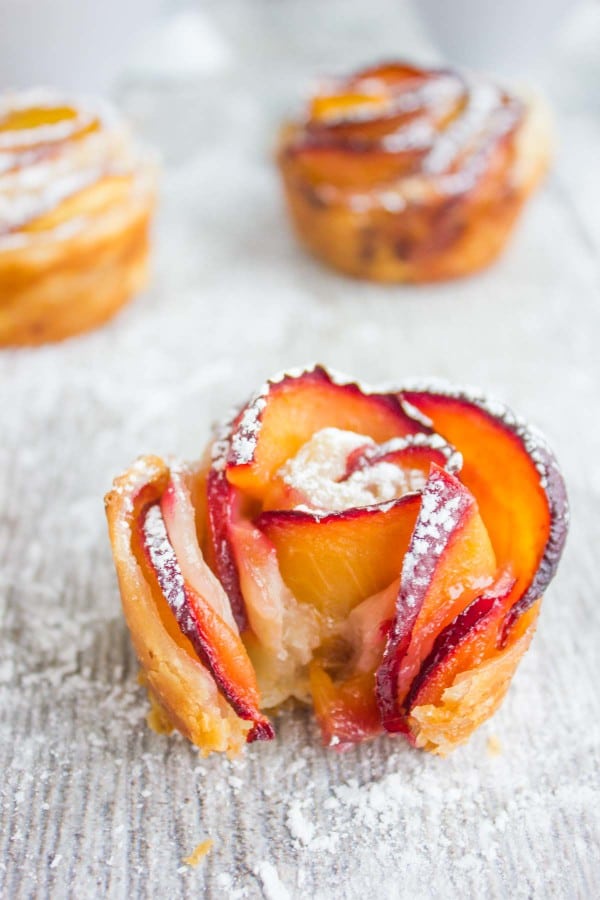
(335, 562)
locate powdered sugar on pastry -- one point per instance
(318, 467)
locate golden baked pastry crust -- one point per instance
(400, 174)
(76, 199)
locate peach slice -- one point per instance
(182, 691)
(348, 166)
(177, 505)
(197, 612)
(286, 413)
(334, 561)
(264, 591)
(449, 562)
(392, 73)
(414, 453)
(222, 503)
(346, 707)
(347, 712)
(515, 478)
(365, 96)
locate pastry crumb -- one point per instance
(494, 747)
(156, 717)
(199, 852)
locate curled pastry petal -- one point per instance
(379, 553)
(398, 173)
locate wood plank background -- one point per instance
(93, 804)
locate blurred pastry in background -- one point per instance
(76, 199)
(399, 173)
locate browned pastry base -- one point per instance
(467, 237)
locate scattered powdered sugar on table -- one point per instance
(272, 885)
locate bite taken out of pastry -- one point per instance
(379, 554)
(403, 174)
(76, 199)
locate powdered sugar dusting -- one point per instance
(244, 438)
(165, 563)
(457, 123)
(318, 472)
(439, 514)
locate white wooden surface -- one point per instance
(95, 805)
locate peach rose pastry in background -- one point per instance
(399, 173)
(76, 198)
(381, 555)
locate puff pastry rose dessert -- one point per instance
(76, 196)
(404, 174)
(381, 554)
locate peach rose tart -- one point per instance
(76, 198)
(398, 173)
(380, 554)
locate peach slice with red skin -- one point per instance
(517, 483)
(222, 503)
(270, 430)
(468, 673)
(417, 451)
(218, 646)
(449, 562)
(464, 643)
(201, 616)
(348, 166)
(346, 94)
(287, 413)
